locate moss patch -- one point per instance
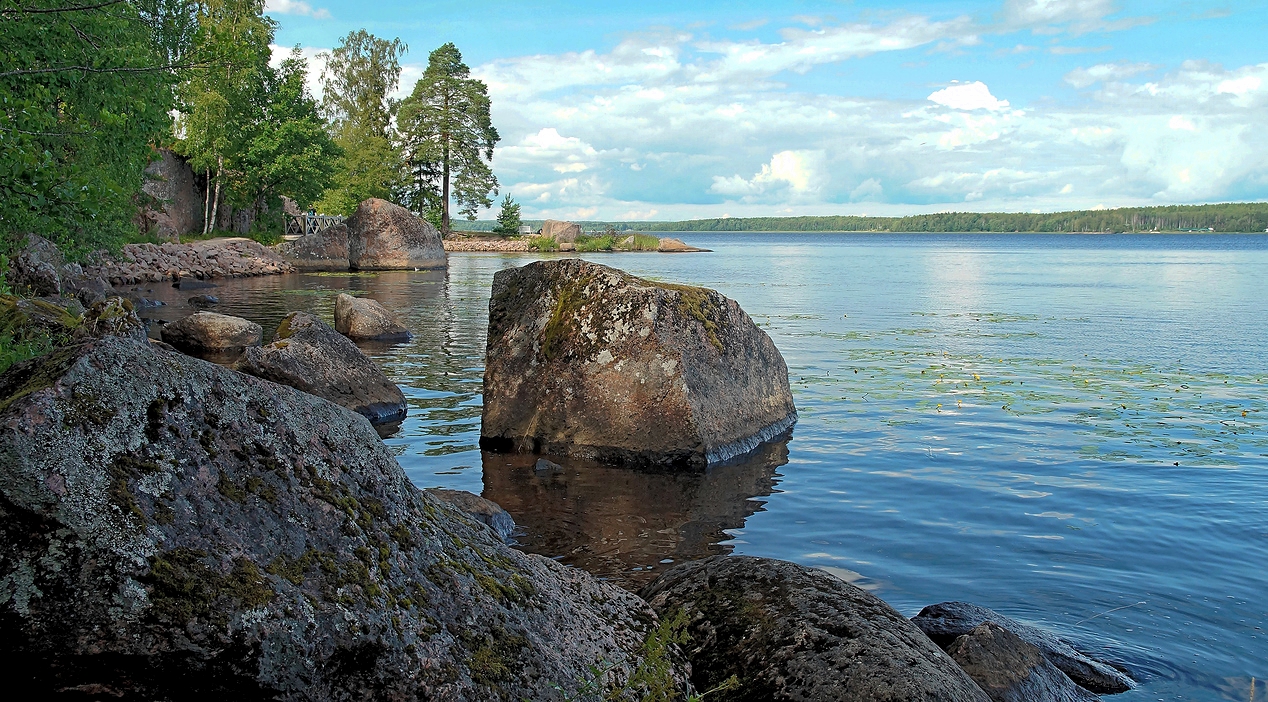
(570, 297)
(700, 305)
(183, 587)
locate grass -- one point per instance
(591, 244)
(543, 243)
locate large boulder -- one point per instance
(37, 268)
(307, 354)
(364, 319)
(177, 201)
(212, 335)
(384, 236)
(590, 361)
(172, 529)
(325, 250)
(947, 621)
(1011, 670)
(789, 632)
(561, 232)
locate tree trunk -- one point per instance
(207, 202)
(215, 203)
(444, 164)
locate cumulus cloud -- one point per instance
(295, 7)
(798, 173)
(968, 96)
(1084, 77)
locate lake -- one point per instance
(1069, 429)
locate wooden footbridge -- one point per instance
(305, 224)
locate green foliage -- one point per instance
(360, 76)
(508, 217)
(448, 139)
(642, 242)
(543, 243)
(590, 244)
(83, 94)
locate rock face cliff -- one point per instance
(171, 529)
(589, 361)
(386, 236)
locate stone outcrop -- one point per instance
(307, 354)
(945, 622)
(1011, 670)
(589, 361)
(670, 245)
(486, 511)
(172, 529)
(326, 250)
(386, 236)
(212, 335)
(200, 260)
(364, 319)
(113, 316)
(561, 232)
(37, 268)
(177, 197)
(789, 632)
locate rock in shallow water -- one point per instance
(307, 354)
(1011, 670)
(790, 632)
(172, 529)
(385, 236)
(487, 511)
(212, 335)
(363, 319)
(326, 250)
(590, 361)
(946, 621)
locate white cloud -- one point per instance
(1074, 16)
(1084, 77)
(316, 63)
(968, 96)
(800, 173)
(1183, 123)
(295, 7)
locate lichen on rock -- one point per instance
(587, 360)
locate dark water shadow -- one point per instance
(627, 526)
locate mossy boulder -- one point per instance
(307, 354)
(789, 632)
(385, 236)
(173, 529)
(590, 361)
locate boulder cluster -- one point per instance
(173, 528)
(379, 235)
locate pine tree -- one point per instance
(509, 217)
(448, 139)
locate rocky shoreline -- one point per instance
(202, 260)
(175, 528)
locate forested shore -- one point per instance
(1227, 217)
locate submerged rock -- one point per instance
(946, 621)
(212, 335)
(172, 529)
(789, 632)
(590, 361)
(1011, 670)
(486, 511)
(364, 319)
(326, 250)
(307, 354)
(385, 236)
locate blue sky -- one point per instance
(674, 110)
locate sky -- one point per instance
(667, 110)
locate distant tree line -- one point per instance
(1230, 217)
(89, 91)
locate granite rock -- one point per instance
(364, 319)
(1011, 670)
(386, 236)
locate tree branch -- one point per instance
(54, 10)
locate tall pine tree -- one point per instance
(448, 138)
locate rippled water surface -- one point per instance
(1068, 429)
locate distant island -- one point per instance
(1227, 217)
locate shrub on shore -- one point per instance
(543, 243)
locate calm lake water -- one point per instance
(1072, 430)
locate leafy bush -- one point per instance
(595, 243)
(543, 243)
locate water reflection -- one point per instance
(624, 525)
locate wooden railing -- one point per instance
(305, 224)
